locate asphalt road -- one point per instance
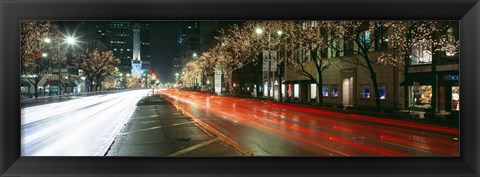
(275, 129)
(79, 127)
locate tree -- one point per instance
(393, 41)
(308, 40)
(96, 66)
(40, 49)
(364, 35)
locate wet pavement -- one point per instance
(157, 128)
(276, 129)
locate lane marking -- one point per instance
(146, 117)
(338, 152)
(192, 148)
(153, 128)
(408, 147)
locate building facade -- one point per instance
(429, 80)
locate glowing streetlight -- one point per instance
(71, 40)
(194, 54)
(259, 31)
(176, 74)
(279, 32)
(44, 55)
(47, 40)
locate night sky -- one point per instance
(163, 41)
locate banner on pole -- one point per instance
(218, 79)
(265, 59)
(273, 60)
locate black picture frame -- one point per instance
(12, 11)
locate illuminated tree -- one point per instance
(40, 50)
(96, 66)
(392, 41)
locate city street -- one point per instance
(80, 127)
(276, 129)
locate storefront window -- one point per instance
(335, 91)
(455, 98)
(421, 96)
(265, 90)
(289, 91)
(365, 91)
(325, 91)
(382, 90)
(296, 90)
(313, 91)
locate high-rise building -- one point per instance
(117, 36)
(189, 41)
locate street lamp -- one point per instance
(71, 40)
(279, 32)
(270, 85)
(44, 55)
(47, 40)
(259, 30)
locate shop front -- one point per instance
(436, 93)
(51, 88)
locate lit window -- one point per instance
(289, 91)
(456, 98)
(365, 39)
(313, 91)
(450, 46)
(325, 91)
(365, 92)
(421, 54)
(296, 90)
(382, 90)
(334, 91)
(421, 96)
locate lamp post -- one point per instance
(270, 84)
(69, 40)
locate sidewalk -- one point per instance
(157, 128)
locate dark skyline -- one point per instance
(163, 36)
(163, 43)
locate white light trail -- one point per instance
(80, 127)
